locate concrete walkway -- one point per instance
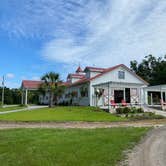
(157, 112)
(24, 109)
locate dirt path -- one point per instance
(152, 150)
(7, 125)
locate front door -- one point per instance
(127, 92)
(118, 96)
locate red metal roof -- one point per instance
(84, 80)
(79, 70)
(35, 84)
(29, 84)
(97, 69)
(76, 75)
(65, 83)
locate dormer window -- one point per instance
(121, 74)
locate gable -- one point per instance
(113, 75)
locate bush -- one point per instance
(140, 110)
(126, 110)
(123, 110)
(119, 110)
(137, 110)
(146, 116)
(22, 105)
(133, 110)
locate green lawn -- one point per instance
(11, 108)
(62, 114)
(72, 147)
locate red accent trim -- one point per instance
(124, 103)
(106, 71)
(79, 69)
(29, 84)
(97, 69)
(35, 84)
(76, 75)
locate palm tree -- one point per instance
(52, 85)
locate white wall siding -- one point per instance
(130, 81)
(113, 76)
(79, 100)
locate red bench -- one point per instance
(113, 103)
(124, 103)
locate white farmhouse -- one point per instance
(103, 87)
(99, 86)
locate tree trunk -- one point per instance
(51, 97)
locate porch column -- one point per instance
(146, 97)
(151, 98)
(26, 96)
(140, 96)
(161, 95)
(124, 94)
(165, 96)
(108, 96)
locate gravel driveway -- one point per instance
(65, 125)
(152, 150)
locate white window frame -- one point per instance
(121, 74)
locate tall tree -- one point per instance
(52, 85)
(152, 69)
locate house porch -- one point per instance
(117, 91)
(155, 96)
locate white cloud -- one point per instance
(118, 31)
(10, 75)
(97, 32)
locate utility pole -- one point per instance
(3, 89)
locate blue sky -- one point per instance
(37, 36)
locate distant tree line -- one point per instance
(13, 96)
(151, 69)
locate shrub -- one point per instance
(140, 110)
(126, 110)
(137, 110)
(146, 116)
(133, 110)
(119, 110)
(123, 110)
(22, 105)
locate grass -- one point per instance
(10, 108)
(72, 147)
(62, 114)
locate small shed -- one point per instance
(26, 86)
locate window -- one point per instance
(121, 75)
(84, 91)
